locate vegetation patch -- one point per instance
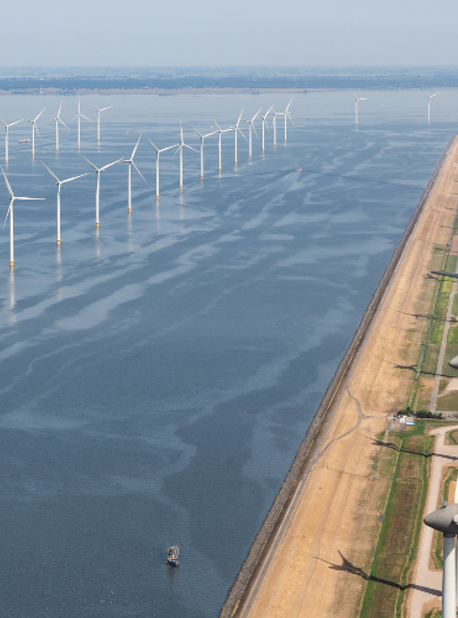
(448, 402)
(399, 535)
(450, 475)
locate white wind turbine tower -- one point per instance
(7, 126)
(430, 96)
(286, 114)
(264, 118)
(35, 128)
(59, 183)
(158, 154)
(220, 132)
(202, 138)
(251, 126)
(236, 130)
(98, 171)
(129, 176)
(180, 150)
(356, 106)
(79, 115)
(10, 213)
(57, 119)
(99, 111)
(275, 126)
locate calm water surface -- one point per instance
(158, 377)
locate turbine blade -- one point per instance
(102, 169)
(85, 117)
(153, 145)
(40, 114)
(52, 173)
(139, 172)
(96, 168)
(62, 122)
(10, 190)
(30, 199)
(136, 146)
(190, 147)
(73, 178)
(7, 213)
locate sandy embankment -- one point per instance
(311, 565)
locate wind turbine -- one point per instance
(10, 213)
(220, 132)
(79, 115)
(264, 118)
(35, 128)
(430, 96)
(251, 126)
(98, 171)
(129, 176)
(202, 138)
(57, 119)
(158, 153)
(59, 183)
(182, 145)
(99, 111)
(286, 114)
(445, 520)
(7, 126)
(236, 130)
(356, 106)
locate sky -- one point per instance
(229, 33)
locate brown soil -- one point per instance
(320, 563)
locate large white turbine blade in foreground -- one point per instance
(10, 213)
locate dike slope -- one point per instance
(327, 512)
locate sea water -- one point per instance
(158, 375)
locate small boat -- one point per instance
(172, 556)
(24, 141)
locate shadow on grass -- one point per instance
(348, 567)
(399, 449)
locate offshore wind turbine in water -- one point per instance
(35, 128)
(78, 116)
(7, 126)
(236, 128)
(202, 140)
(158, 154)
(99, 111)
(10, 213)
(220, 132)
(251, 127)
(59, 183)
(98, 171)
(130, 162)
(430, 96)
(57, 119)
(264, 123)
(182, 145)
(356, 106)
(286, 114)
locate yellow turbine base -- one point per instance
(97, 225)
(33, 154)
(6, 160)
(12, 264)
(219, 169)
(129, 210)
(250, 156)
(235, 162)
(181, 187)
(157, 197)
(58, 243)
(201, 177)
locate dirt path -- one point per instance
(322, 552)
(428, 582)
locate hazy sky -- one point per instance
(230, 32)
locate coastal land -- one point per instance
(317, 552)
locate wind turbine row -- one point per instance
(130, 161)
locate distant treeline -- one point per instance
(351, 82)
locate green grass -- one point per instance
(453, 436)
(452, 335)
(448, 403)
(395, 552)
